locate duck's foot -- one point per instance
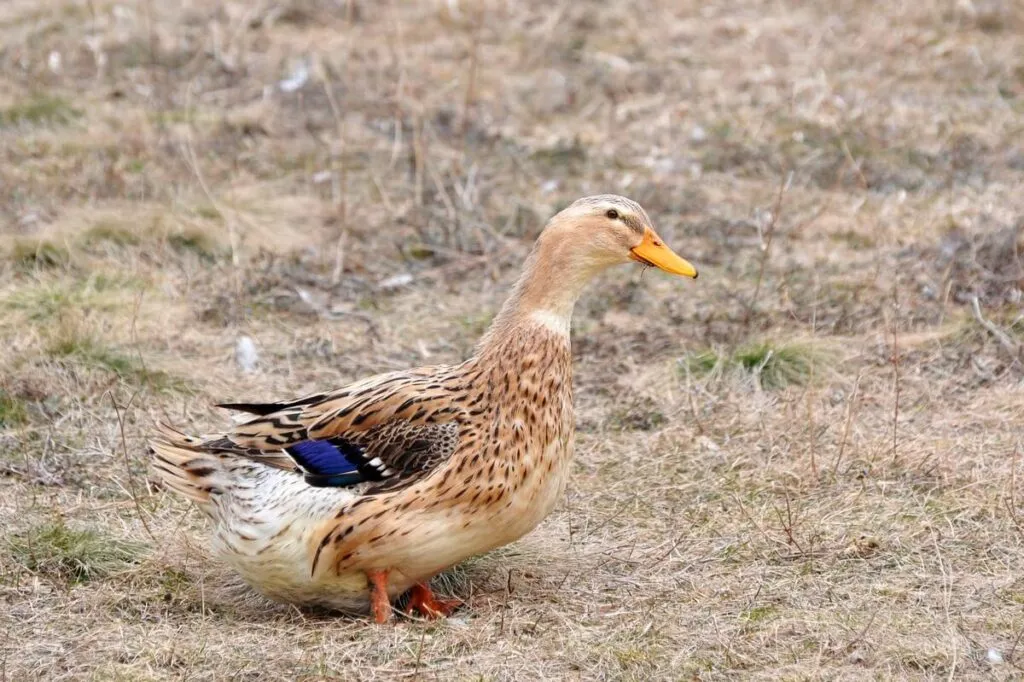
(423, 601)
(380, 605)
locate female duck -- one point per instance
(350, 498)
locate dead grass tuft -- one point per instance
(988, 264)
(197, 242)
(39, 254)
(12, 410)
(112, 233)
(55, 551)
(770, 365)
(39, 109)
(85, 351)
(641, 414)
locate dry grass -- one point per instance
(806, 465)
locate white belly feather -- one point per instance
(270, 519)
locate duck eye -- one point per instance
(612, 214)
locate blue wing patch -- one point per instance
(336, 463)
(325, 458)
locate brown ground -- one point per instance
(805, 465)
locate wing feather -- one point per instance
(390, 429)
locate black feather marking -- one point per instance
(349, 409)
(412, 401)
(316, 557)
(261, 409)
(363, 417)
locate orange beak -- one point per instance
(652, 251)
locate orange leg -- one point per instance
(380, 605)
(422, 600)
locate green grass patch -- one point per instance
(86, 351)
(562, 155)
(772, 365)
(39, 109)
(170, 116)
(209, 211)
(105, 232)
(632, 657)
(12, 410)
(702, 363)
(758, 613)
(638, 415)
(46, 302)
(174, 580)
(194, 241)
(476, 324)
(28, 253)
(74, 556)
(108, 234)
(42, 303)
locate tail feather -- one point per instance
(202, 468)
(197, 475)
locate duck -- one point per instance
(352, 498)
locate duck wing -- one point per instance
(388, 431)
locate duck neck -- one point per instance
(544, 295)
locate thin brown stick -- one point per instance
(504, 601)
(419, 651)
(812, 433)
(127, 462)
(743, 511)
(895, 371)
(788, 524)
(419, 159)
(339, 175)
(1011, 655)
(472, 66)
(1011, 500)
(850, 408)
(1001, 336)
(193, 162)
(694, 412)
(860, 635)
(766, 245)
(855, 164)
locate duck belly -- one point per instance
(273, 538)
(264, 528)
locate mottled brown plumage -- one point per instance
(350, 498)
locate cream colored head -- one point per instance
(586, 238)
(600, 231)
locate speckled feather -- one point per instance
(443, 462)
(498, 433)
